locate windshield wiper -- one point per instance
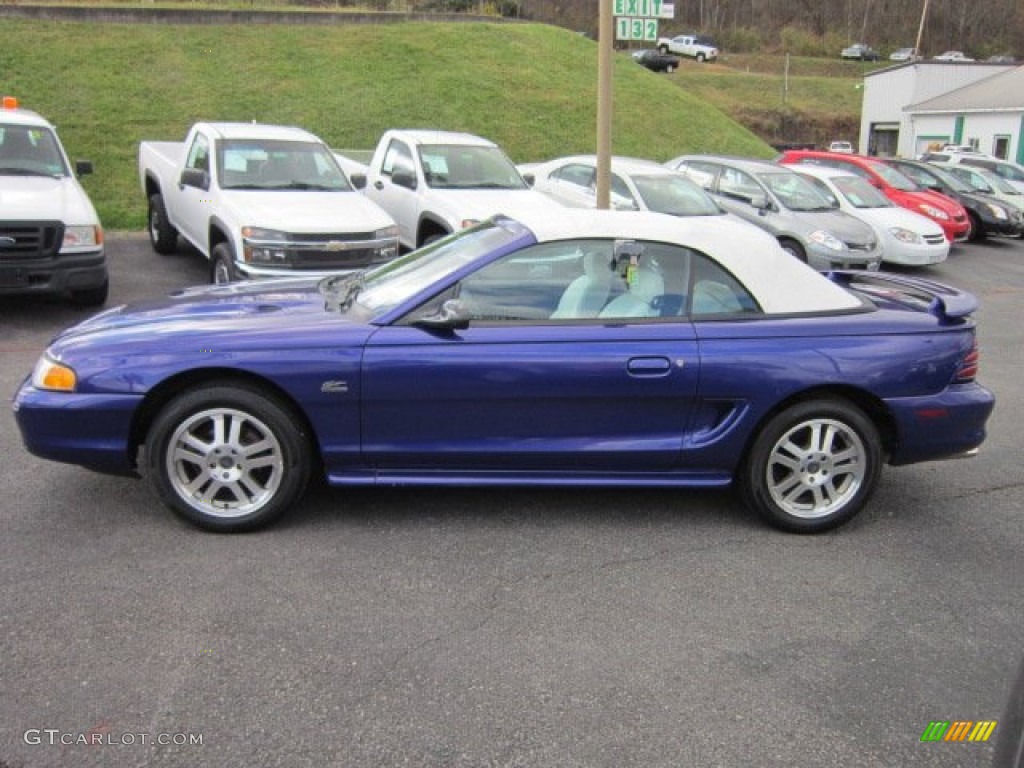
(302, 185)
(28, 172)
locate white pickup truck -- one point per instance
(691, 46)
(50, 238)
(433, 183)
(260, 201)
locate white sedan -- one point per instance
(907, 238)
(636, 185)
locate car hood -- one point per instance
(308, 211)
(847, 228)
(481, 204)
(45, 198)
(261, 314)
(886, 218)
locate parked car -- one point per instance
(952, 56)
(907, 238)
(861, 52)
(1001, 59)
(948, 214)
(711, 358)
(988, 215)
(656, 61)
(1011, 172)
(843, 147)
(904, 54)
(635, 185)
(788, 207)
(986, 181)
(51, 240)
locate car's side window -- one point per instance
(714, 292)
(702, 173)
(823, 188)
(738, 185)
(396, 156)
(576, 174)
(199, 154)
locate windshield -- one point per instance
(457, 166)
(30, 151)
(860, 193)
(675, 195)
(953, 182)
(894, 178)
(385, 287)
(794, 191)
(266, 164)
(998, 183)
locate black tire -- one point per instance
(700, 58)
(91, 297)
(977, 233)
(222, 265)
(813, 466)
(663, 48)
(670, 69)
(162, 235)
(794, 249)
(228, 457)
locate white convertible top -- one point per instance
(780, 283)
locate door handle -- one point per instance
(649, 366)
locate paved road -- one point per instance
(515, 628)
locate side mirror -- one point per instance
(453, 316)
(83, 167)
(760, 202)
(404, 177)
(358, 180)
(195, 177)
(529, 178)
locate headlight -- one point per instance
(935, 213)
(904, 235)
(998, 211)
(82, 237)
(49, 374)
(827, 239)
(264, 246)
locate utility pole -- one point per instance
(920, 29)
(604, 104)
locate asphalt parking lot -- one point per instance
(509, 628)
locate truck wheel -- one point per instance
(162, 235)
(663, 48)
(700, 58)
(670, 69)
(222, 265)
(91, 297)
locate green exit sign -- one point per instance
(642, 8)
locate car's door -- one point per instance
(192, 204)
(398, 198)
(520, 390)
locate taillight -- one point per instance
(968, 368)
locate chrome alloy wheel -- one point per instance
(815, 468)
(224, 462)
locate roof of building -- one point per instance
(1002, 92)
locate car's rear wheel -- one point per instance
(813, 466)
(162, 236)
(228, 457)
(793, 248)
(670, 68)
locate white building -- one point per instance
(909, 107)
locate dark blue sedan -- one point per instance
(587, 348)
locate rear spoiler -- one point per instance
(944, 301)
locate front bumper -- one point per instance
(89, 430)
(53, 274)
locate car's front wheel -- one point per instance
(813, 466)
(228, 457)
(222, 265)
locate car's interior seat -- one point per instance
(643, 297)
(587, 294)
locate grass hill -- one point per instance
(529, 87)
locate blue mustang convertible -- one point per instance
(572, 348)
